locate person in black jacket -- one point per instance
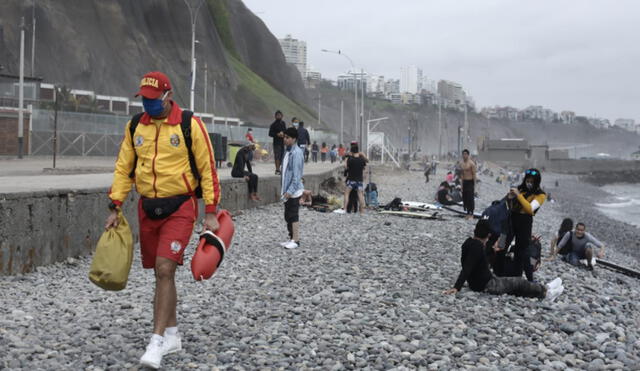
(304, 140)
(242, 159)
(475, 270)
(276, 131)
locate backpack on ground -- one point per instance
(395, 204)
(185, 125)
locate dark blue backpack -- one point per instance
(498, 216)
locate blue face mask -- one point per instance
(152, 106)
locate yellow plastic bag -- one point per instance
(113, 257)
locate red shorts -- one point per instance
(167, 237)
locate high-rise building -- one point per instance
(410, 80)
(451, 93)
(392, 86)
(375, 84)
(295, 52)
(348, 81)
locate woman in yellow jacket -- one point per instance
(526, 200)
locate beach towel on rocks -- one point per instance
(113, 257)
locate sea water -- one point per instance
(624, 204)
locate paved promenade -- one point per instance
(35, 174)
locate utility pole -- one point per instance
(33, 39)
(214, 97)
(206, 87)
(439, 126)
(319, 107)
(341, 120)
(21, 92)
(55, 124)
(193, 14)
(466, 127)
(361, 141)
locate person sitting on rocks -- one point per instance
(242, 159)
(443, 196)
(565, 227)
(475, 271)
(581, 246)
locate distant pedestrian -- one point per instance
(468, 183)
(323, 152)
(427, 171)
(292, 187)
(276, 131)
(314, 151)
(341, 151)
(333, 153)
(242, 160)
(354, 168)
(304, 140)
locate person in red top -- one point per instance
(155, 158)
(341, 151)
(249, 137)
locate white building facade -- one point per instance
(295, 52)
(410, 80)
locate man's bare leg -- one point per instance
(347, 190)
(361, 200)
(165, 297)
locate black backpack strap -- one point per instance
(185, 125)
(135, 120)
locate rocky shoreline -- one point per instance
(363, 292)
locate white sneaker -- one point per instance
(553, 294)
(171, 344)
(554, 284)
(285, 243)
(291, 245)
(153, 356)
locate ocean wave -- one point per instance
(615, 205)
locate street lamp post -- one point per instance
(355, 84)
(193, 14)
(21, 92)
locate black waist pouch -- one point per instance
(160, 208)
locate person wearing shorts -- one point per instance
(154, 156)
(292, 187)
(354, 168)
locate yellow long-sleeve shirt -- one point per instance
(531, 203)
(162, 168)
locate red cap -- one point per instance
(153, 84)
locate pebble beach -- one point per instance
(362, 292)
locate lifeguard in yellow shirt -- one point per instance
(167, 154)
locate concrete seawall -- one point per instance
(40, 228)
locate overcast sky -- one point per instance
(578, 55)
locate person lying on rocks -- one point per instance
(579, 245)
(475, 271)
